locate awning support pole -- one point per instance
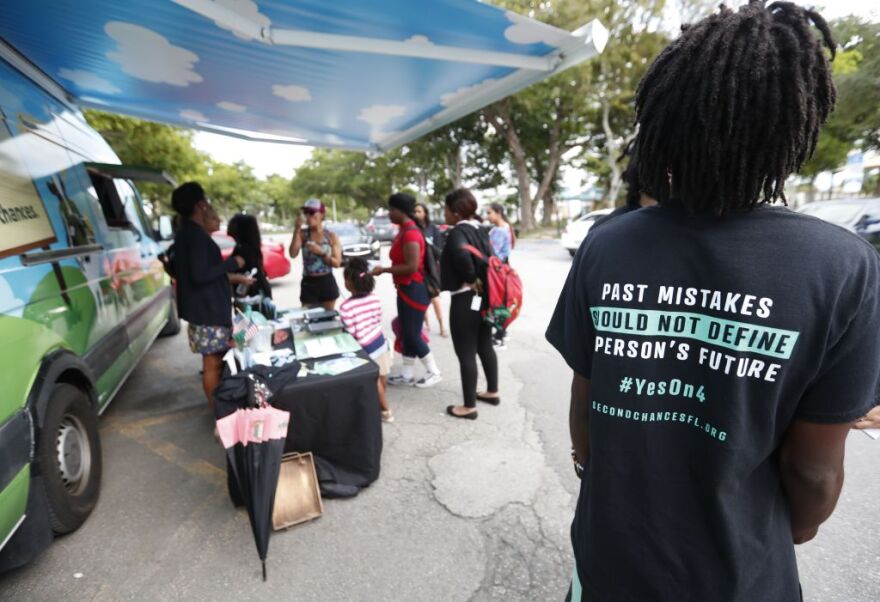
(325, 41)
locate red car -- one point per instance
(275, 262)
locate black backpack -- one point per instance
(430, 266)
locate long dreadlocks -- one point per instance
(732, 107)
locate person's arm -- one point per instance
(463, 260)
(410, 265)
(811, 468)
(871, 420)
(579, 418)
(348, 321)
(296, 242)
(202, 270)
(334, 259)
(236, 278)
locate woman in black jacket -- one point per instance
(464, 275)
(203, 277)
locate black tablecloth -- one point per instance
(338, 419)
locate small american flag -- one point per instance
(243, 329)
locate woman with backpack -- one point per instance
(408, 269)
(464, 275)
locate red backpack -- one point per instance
(504, 291)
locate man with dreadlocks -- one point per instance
(714, 383)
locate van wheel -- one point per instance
(172, 326)
(69, 455)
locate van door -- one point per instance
(150, 293)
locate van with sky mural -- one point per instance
(82, 297)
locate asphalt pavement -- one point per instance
(463, 510)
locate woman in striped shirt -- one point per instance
(362, 316)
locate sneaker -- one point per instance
(428, 380)
(387, 416)
(400, 381)
(499, 345)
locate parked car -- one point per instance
(275, 261)
(381, 228)
(355, 241)
(861, 216)
(576, 231)
(83, 295)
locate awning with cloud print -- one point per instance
(359, 74)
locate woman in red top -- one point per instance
(407, 258)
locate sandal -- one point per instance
(468, 416)
(492, 401)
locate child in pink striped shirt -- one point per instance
(362, 316)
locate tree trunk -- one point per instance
(422, 182)
(554, 156)
(454, 167)
(499, 116)
(811, 193)
(611, 153)
(549, 204)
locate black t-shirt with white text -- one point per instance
(704, 338)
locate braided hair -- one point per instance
(733, 106)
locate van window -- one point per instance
(79, 229)
(111, 205)
(132, 206)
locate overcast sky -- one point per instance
(268, 158)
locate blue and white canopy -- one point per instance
(359, 74)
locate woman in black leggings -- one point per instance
(463, 274)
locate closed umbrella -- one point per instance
(254, 439)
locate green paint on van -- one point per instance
(13, 500)
(71, 315)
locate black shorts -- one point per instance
(318, 289)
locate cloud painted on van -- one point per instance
(88, 81)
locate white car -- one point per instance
(576, 231)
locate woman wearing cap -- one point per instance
(407, 258)
(321, 253)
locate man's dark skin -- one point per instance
(810, 462)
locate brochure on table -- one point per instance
(280, 341)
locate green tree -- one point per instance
(586, 108)
(445, 158)
(149, 144)
(234, 188)
(858, 83)
(278, 194)
(346, 176)
(856, 118)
